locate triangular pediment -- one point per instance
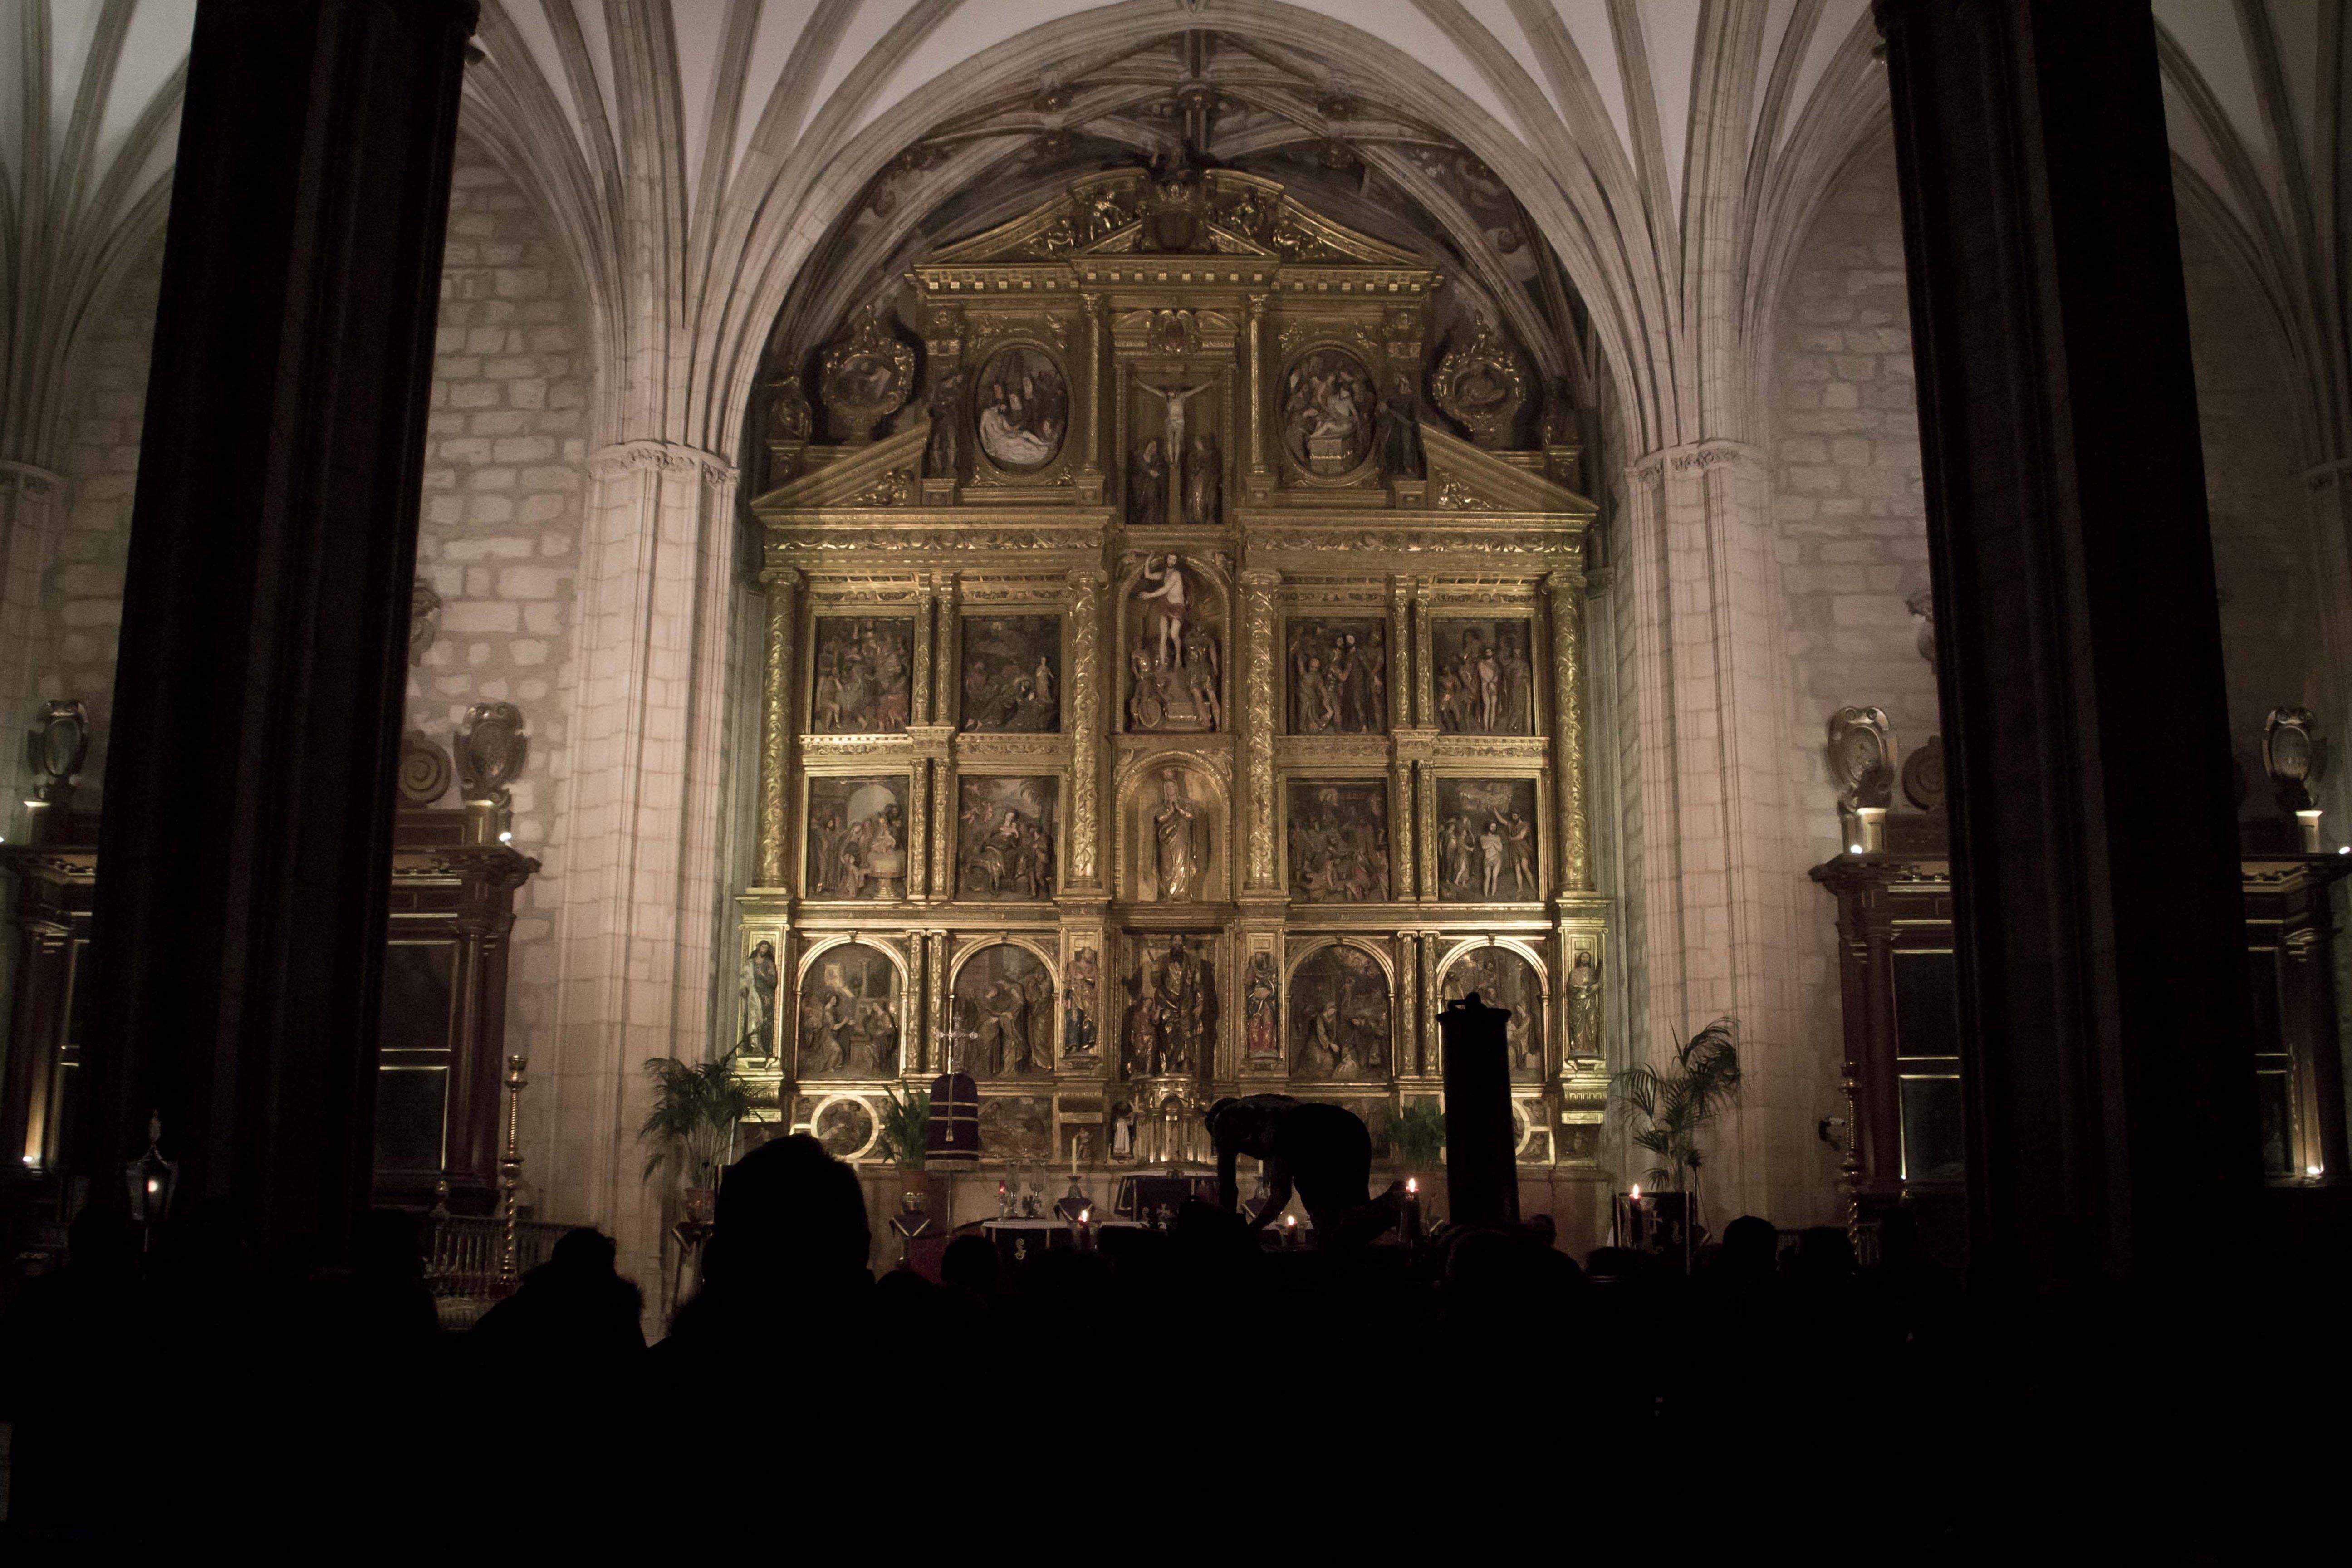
(883, 474)
(1463, 478)
(1129, 211)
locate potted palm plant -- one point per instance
(1670, 1108)
(1417, 1134)
(691, 1127)
(906, 1120)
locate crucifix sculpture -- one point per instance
(1174, 441)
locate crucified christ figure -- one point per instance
(1175, 397)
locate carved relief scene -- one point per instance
(1339, 1017)
(1328, 411)
(850, 1014)
(862, 674)
(1175, 649)
(1339, 840)
(1012, 674)
(856, 838)
(1483, 678)
(1021, 409)
(1005, 995)
(1504, 978)
(1486, 841)
(1004, 839)
(1339, 672)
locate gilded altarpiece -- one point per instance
(1178, 708)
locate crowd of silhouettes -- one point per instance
(789, 1316)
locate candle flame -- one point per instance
(1290, 1219)
(1411, 1186)
(1636, 1193)
(1084, 1215)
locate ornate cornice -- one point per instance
(624, 458)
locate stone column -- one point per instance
(919, 804)
(935, 993)
(263, 658)
(1408, 1004)
(918, 698)
(1261, 873)
(1082, 721)
(2099, 919)
(1566, 591)
(944, 693)
(1090, 437)
(1424, 830)
(1401, 662)
(1400, 855)
(778, 673)
(1424, 697)
(1260, 477)
(1429, 1062)
(943, 822)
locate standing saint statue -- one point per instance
(1203, 483)
(1176, 856)
(1147, 485)
(1584, 1007)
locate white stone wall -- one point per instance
(1849, 531)
(505, 470)
(81, 592)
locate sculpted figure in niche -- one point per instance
(1178, 856)
(758, 987)
(1203, 484)
(1584, 1005)
(849, 1014)
(1175, 661)
(1261, 1039)
(1504, 979)
(943, 453)
(1147, 485)
(1078, 1031)
(1171, 1014)
(1400, 431)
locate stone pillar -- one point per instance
(2098, 915)
(935, 993)
(1090, 436)
(1430, 1058)
(1407, 1007)
(1425, 697)
(1261, 478)
(945, 698)
(257, 705)
(944, 819)
(918, 840)
(1082, 720)
(779, 676)
(1401, 662)
(1262, 875)
(1566, 591)
(919, 698)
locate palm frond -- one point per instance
(1676, 1105)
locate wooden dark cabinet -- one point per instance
(443, 1041)
(1903, 1047)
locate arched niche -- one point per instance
(1174, 811)
(1004, 991)
(852, 995)
(1340, 1007)
(1175, 644)
(1506, 973)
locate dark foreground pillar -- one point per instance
(2102, 966)
(1482, 1170)
(245, 851)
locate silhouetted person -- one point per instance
(574, 1316)
(786, 1259)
